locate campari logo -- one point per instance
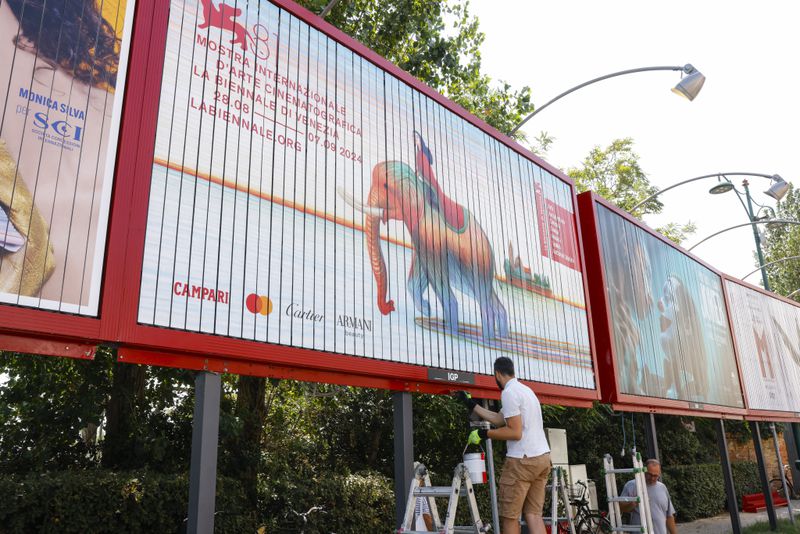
(258, 304)
(224, 18)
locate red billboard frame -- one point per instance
(603, 331)
(117, 319)
(756, 414)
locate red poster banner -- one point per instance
(556, 231)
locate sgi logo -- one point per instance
(60, 127)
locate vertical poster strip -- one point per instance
(62, 74)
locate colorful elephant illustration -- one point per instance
(445, 257)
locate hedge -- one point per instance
(698, 491)
(334, 503)
(95, 501)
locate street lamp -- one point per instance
(723, 186)
(688, 87)
(777, 190)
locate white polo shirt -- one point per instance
(519, 399)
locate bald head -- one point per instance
(652, 471)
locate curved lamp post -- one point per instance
(787, 258)
(754, 223)
(688, 87)
(780, 186)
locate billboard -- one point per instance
(669, 331)
(301, 195)
(62, 74)
(767, 333)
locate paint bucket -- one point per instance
(475, 463)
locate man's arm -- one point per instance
(511, 430)
(487, 415)
(671, 527)
(627, 507)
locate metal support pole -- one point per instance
(727, 476)
(791, 435)
(780, 468)
(791, 452)
(403, 451)
(762, 471)
(492, 482)
(651, 437)
(759, 252)
(203, 470)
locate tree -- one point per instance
(437, 42)
(614, 173)
(784, 242)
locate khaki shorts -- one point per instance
(522, 485)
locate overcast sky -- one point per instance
(746, 119)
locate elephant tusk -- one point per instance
(366, 210)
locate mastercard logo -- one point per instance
(258, 304)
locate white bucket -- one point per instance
(475, 463)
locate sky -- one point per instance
(745, 119)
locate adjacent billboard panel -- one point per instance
(671, 336)
(303, 196)
(767, 332)
(62, 74)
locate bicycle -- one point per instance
(586, 520)
(776, 484)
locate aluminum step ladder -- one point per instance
(642, 500)
(461, 487)
(559, 491)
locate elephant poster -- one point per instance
(767, 333)
(62, 75)
(671, 333)
(303, 196)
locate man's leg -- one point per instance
(535, 524)
(512, 492)
(539, 470)
(511, 526)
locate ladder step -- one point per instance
(629, 528)
(547, 520)
(436, 491)
(623, 499)
(622, 471)
(467, 530)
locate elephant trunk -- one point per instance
(372, 233)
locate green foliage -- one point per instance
(746, 479)
(328, 502)
(614, 173)
(697, 490)
(94, 501)
(784, 242)
(437, 42)
(44, 405)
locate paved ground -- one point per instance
(722, 523)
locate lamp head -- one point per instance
(722, 187)
(690, 85)
(778, 189)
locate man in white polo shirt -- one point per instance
(527, 465)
